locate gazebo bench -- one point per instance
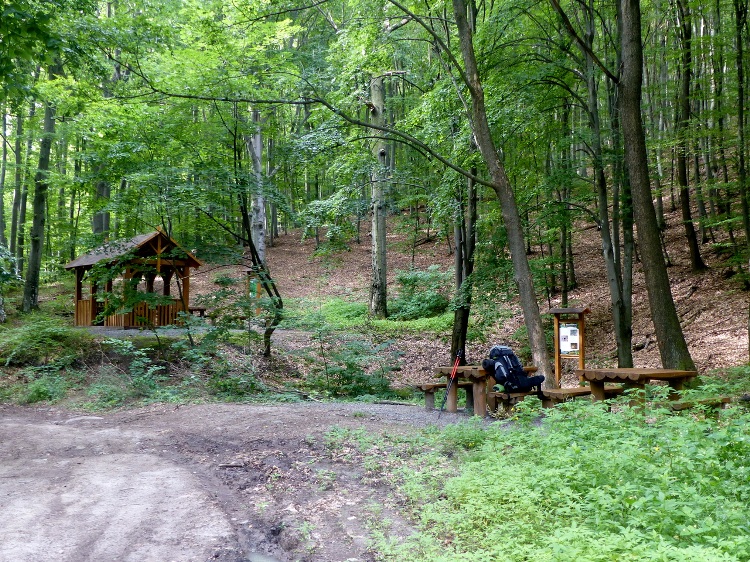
(506, 399)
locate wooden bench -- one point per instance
(720, 402)
(505, 399)
(430, 388)
(199, 310)
(553, 396)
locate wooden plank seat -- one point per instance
(430, 388)
(506, 399)
(553, 396)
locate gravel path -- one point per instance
(227, 482)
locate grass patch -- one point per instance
(579, 483)
(339, 314)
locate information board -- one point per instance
(570, 340)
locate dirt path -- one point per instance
(193, 483)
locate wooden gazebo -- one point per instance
(141, 260)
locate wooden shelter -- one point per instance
(138, 261)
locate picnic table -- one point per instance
(482, 383)
(635, 377)
(477, 376)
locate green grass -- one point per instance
(338, 314)
(580, 483)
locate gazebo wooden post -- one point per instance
(80, 272)
(184, 273)
(92, 298)
(166, 276)
(150, 277)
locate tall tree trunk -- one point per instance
(22, 207)
(621, 195)
(101, 218)
(465, 241)
(620, 318)
(378, 286)
(16, 207)
(672, 345)
(506, 197)
(740, 10)
(3, 164)
(258, 204)
(41, 187)
(683, 123)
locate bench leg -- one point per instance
(469, 399)
(491, 400)
(429, 400)
(675, 386)
(452, 402)
(639, 398)
(597, 390)
(479, 398)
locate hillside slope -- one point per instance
(712, 308)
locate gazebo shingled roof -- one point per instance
(113, 250)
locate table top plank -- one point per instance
(635, 374)
(471, 372)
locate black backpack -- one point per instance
(508, 370)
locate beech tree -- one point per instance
(671, 340)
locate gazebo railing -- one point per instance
(140, 316)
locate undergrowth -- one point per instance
(581, 482)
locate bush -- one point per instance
(48, 388)
(351, 368)
(144, 374)
(41, 341)
(422, 293)
(232, 387)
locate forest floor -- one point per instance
(264, 483)
(712, 305)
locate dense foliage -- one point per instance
(581, 483)
(188, 114)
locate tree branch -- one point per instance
(574, 34)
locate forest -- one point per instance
(510, 134)
(501, 127)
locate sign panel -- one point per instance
(569, 339)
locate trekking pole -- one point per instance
(450, 381)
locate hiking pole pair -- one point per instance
(450, 381)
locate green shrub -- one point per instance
(235, 386)
(42, 340)
(47, 388)
(351, 368)
(144, 374)
(422, 293)
(106, 393)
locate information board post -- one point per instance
(254, 289)
(570, 337)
